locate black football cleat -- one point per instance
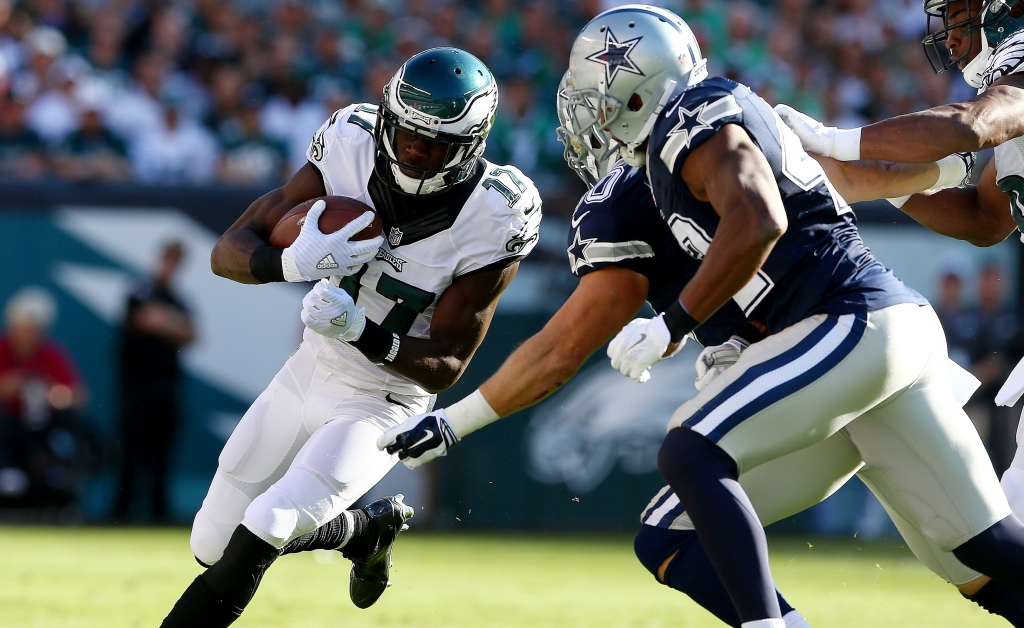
(369, 576)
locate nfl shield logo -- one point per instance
(395, 236)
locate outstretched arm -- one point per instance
(986, 121)
(605, 300)
(981, 215)
(860, 181)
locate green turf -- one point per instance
(76, 578)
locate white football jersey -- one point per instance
(1008, 58)
(498, 222)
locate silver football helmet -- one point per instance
(592, 154)
(625, 64)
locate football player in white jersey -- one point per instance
(985, 40)
(390, 323)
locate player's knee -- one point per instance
(687, 457)
(209, 539)
(653, 546)
(276, 518)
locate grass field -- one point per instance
(77, 578)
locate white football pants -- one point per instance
(304, 451)
(883, 380)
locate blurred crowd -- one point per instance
(985, 335)
(230, 91)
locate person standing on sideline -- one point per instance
(157, 325)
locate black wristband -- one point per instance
(265, 264)
(377, 344)
(679, 321)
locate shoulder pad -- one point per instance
(698, 114)
(504, 223)
(353, 123)
(1007, 59)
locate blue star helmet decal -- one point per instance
(615, 56)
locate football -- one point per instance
(340, 211)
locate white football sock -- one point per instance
(795, 620)
(764, 623)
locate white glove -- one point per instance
(315, 255)
(841, 144)
(640, 345)
(330, 311)
(419, 439)
(713, 361)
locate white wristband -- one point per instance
(899, 201)
(470, 414)
(952, 171)
(846, 146)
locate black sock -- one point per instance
(998, 600)
(998, 552)
(329, 536)
(691, 571)
(219, 595)
(200, 607)
(364, 536)
(705, 479)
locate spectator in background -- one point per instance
(39, 391)
(248, 156)
(997, 348)
(92, 153)
(157, 326)
(176, 151)
(21, 149)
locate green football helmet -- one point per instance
(994, 20)
(444, 95)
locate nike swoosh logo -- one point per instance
(576, 221)
(394, 401)
(642, 338)
(430, 435)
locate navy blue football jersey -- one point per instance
(820, 265)
(617, 224)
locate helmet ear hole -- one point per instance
(636, 103)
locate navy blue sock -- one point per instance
(998, 600)
(998, 552)
(690, 571)
(704, 478)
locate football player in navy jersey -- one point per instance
(616, 228)
(852, 349)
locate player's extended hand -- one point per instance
(713, 361)
(315, 255)
(330, 311)
(419, 439)
(640, 345)
(814, 136)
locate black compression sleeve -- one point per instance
(377, 344)
(265, 264)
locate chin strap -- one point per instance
(975, 70)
